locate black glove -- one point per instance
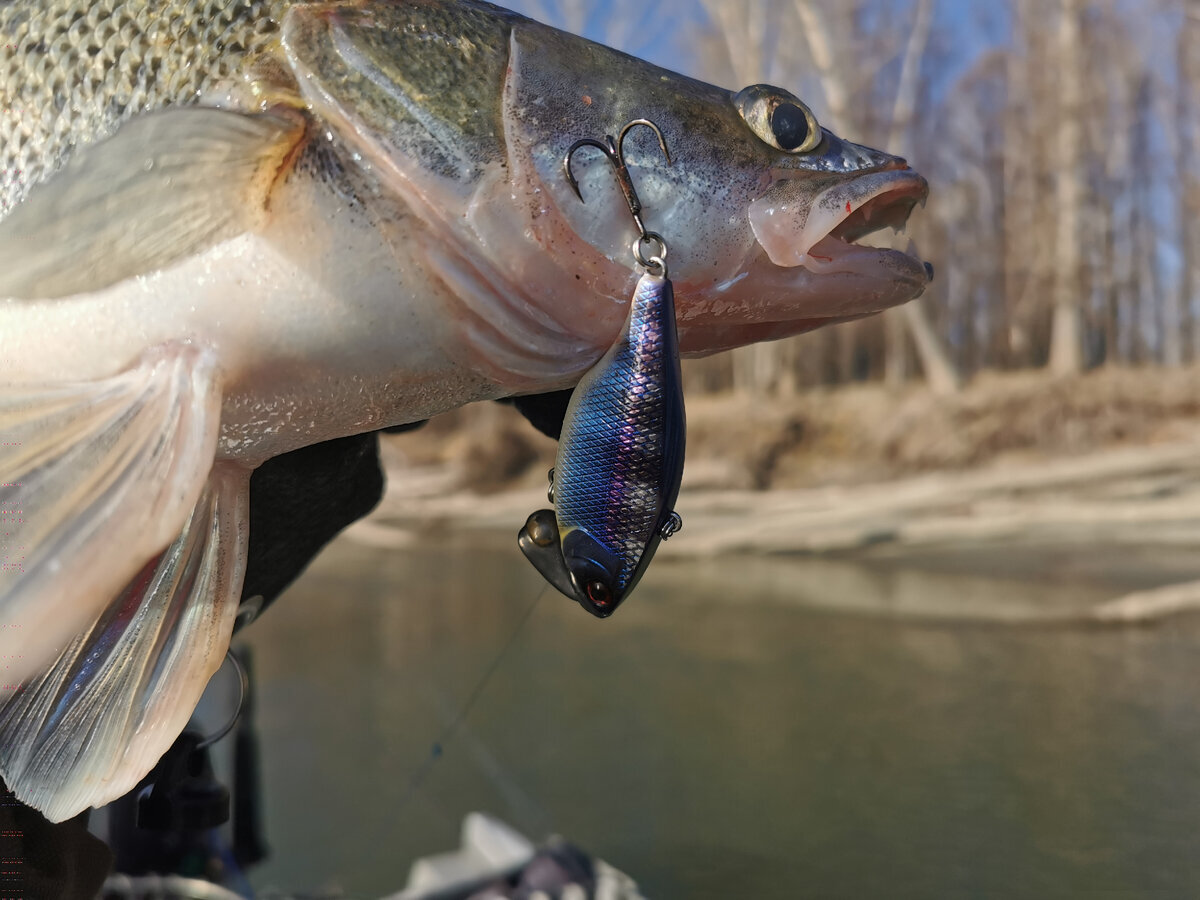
(545, 412)
(298, 503)
(301, 500)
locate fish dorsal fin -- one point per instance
(95, 479)
(162, 187)
(90, 726)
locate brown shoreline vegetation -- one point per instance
(851, 435)
(1019, 477)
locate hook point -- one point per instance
(585, 142)
(614, 150)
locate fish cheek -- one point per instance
(589, 241)
(698, 203)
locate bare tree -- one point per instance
(1064, 157)
(824, 50)
(1187, 112)
(1025, 251)
(939, 369)
(1066, 349)
(1173, 297)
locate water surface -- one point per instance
(714, 739)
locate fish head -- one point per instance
(760, 207)
(463, 114)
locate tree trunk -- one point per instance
(1188, 69)
(895, 356)
(939, 369)
(1066, 336)
(1022, 251)
(930, 350)
(935, 357)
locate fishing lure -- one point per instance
(620, 455)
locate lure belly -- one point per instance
(619, 464)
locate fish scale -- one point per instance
(622, 434)
(89, 66)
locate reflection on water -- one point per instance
(715, 741)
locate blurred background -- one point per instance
(929, 628)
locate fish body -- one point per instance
(232, 229)
(619, 462)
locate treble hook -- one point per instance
(615, 151)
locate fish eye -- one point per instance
(779, 118)
(790, 126)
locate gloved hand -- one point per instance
(299, 502)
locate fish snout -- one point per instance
(845, 156)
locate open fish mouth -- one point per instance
(810, 271)
(821, 236)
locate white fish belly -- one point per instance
(324, 324)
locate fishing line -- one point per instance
(418, 778)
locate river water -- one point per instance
(717, 739)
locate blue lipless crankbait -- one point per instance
(620, 455)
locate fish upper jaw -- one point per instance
(819, 234)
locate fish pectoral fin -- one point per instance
(161, 188)
(90, 726)
(95, 479)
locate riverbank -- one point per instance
(854, 434)
(1097, 476)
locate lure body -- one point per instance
(619, 463)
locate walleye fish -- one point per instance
(232, 228)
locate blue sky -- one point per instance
(665, 33)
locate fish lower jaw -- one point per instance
(832, 255)
(774, 302)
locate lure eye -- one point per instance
(778, 118)
(594, 572)
(599, 593)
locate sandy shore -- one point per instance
(1094, 478)
(1127, 516)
